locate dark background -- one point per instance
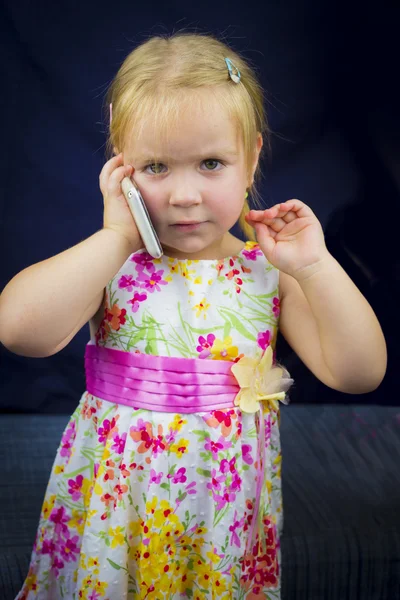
(330, 71)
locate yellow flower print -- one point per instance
(259, 380)
(31, 581)
(151, 506)
(180, 447)
(135, 528)
(101, 587)
(93, 564)
(201, 308)
(116, 536)
(48, 505)
(59, 469)
(185, 272)
(214, 558)
(165, 514)
(176, 424)
(203, 574)
(218, 583)
(77, 521)
(223, 350)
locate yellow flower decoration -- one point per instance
(259, 380)
(223, 350)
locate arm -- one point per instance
(332, 328)
(45, 305)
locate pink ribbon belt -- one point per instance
(168, 384)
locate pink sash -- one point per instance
(168, 384)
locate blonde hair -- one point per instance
(149, 83)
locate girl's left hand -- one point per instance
(290, 236)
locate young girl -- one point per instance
(167, 481)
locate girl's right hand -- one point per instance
(117, 214)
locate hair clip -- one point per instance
(234, 72)
(110, 113)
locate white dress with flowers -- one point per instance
(145, 504)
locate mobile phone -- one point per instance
(142, 218)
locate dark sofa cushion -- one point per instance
(341, 493)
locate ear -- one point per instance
(116, 151)
(257, 150)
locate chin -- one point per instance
(185, 247)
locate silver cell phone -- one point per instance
(142, 218)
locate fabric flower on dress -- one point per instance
(260, 380)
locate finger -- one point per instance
(108, 168)
(275, 223)
(297, 206)
(116, 177)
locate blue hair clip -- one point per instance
(234, 72)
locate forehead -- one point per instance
(192, 124)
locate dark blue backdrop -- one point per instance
(328, 72)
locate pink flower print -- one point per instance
(94, 595)
(48, 547)
(144, 259)
(246, 454)
(154, 478)
(264, 339)
(236, 524)
(68, 439)
(215, 447)
(152, 281)
(189, 487)
(60, 517)
(219, 500)
(215, 483)
(56, 565)
(70, 548)
(180, 476)
(119, 443)
(267, 426)
(226, 466)
(236, 484)
(229, 496)
(127, 282)
(107, 429)
(205, 345)
(75, 487)
(276, 306)
(253, 253)
(138, 297)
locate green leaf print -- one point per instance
(203, 472)
(113, 564)
(236, 321)
(227, 328)
(203, 435)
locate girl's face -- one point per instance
(195, 191)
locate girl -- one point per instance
(167, 481)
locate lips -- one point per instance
(188, 223)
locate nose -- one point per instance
(184, 194)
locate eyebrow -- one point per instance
(148, 157)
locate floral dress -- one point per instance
(153, 505)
